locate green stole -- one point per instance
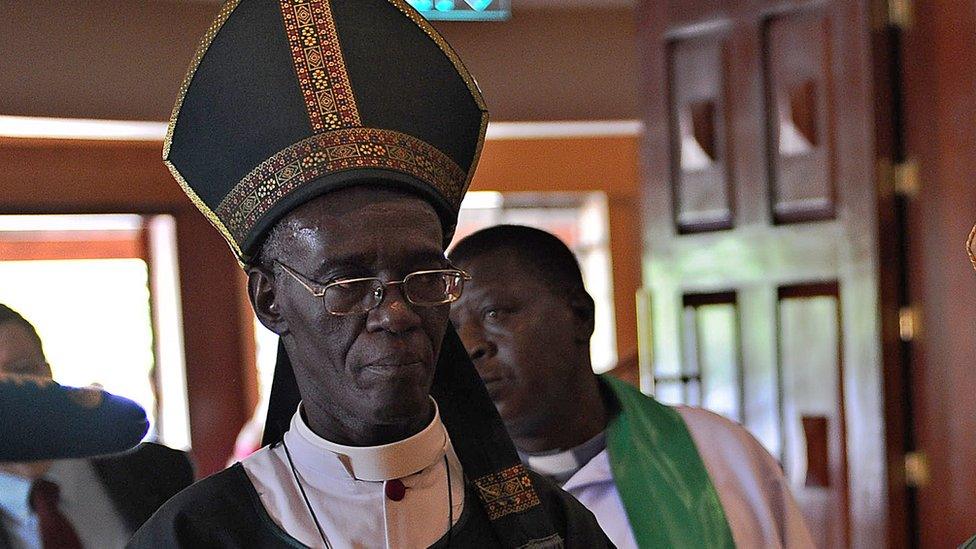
(661, 478)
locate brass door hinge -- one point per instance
(906, 176)
(907, 323)
(900, 13)
(916, 469)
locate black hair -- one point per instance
(533, 248)
(10, 316)
(269, 251)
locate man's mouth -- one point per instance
(497, 384)
(394, 368)
(493, 379)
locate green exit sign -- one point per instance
(463, 10)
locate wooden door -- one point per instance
(939, 72)
(761, 239)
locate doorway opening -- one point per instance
(102, 291)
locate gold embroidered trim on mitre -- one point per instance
(208, 38)
(225, 11)
(205, 210)
(482, 132)
(319, 65)
(332, 152)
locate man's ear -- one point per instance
(261, 290)
(583, 315)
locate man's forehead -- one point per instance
(506, 272)
(346, 205)
(502, 259)
(367, 194)
(360, 225)
(500, 272)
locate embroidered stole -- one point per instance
(662, 481)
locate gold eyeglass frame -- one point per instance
(969, 246)
(318, 290)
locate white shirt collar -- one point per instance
(562, 464)
(14, 496)
(553, 464)
(595, 472)
(372, 463)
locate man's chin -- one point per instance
(406, 407)
(506, 410)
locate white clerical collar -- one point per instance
(560, 465)
(557, 463)
(386, 461)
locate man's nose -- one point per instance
(477, 344)
(394, 313)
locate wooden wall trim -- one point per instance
(214, 339)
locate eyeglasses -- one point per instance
(969, 247)
(358, 295)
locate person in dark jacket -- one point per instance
(83, 502)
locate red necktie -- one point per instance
(56, 530)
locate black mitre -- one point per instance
(288, 100)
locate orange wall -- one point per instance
(578, 64)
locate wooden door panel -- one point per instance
(812, 411)
(796, 72)
(702, 186)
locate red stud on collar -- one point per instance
(395, 490)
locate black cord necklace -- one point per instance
(305, 497)
(318, 525)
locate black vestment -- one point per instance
(224, 510)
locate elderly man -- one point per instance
(331, 142)
(73, 503)
(654, 476)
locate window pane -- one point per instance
(718, 352)
(669, 392)
(93, 318)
